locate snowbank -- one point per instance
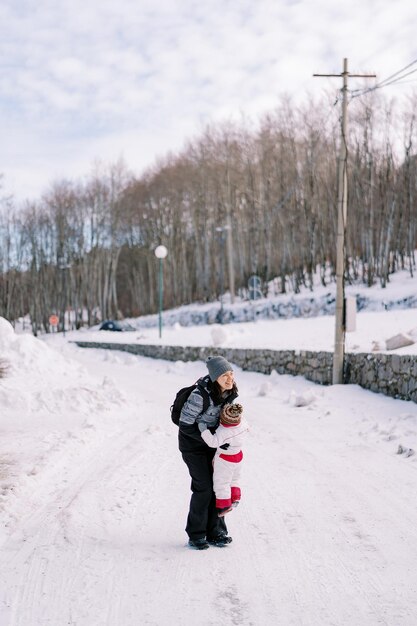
(400, 294)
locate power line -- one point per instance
(397, 80)
(406, 82)
(396, 73)
(386, 82)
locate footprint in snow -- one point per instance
(406, 452)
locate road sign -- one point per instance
(53, 320)
(350, 314)
(255, 291)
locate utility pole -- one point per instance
(339, 340)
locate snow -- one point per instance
(375, 324)
(373, 329)
(94, 494)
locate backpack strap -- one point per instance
(205, 396)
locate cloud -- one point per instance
(80, 77)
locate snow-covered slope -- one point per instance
(401, 293)
(372, 332)
(388, 313)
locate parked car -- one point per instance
(116, 326)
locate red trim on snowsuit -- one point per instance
(232, 458)
(227, 502)
(223, 504)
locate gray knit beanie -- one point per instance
(217, 365)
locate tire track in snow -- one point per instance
(44, 540)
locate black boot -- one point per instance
(198, 544)
(219, 540)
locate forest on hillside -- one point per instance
(255, 198)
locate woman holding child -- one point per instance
(204, 525)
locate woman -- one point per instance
(204, 526)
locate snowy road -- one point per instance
(325, 534)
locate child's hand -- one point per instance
(202, 426)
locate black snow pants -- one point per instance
(202, 520)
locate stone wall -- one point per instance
(390, 374)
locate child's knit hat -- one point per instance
(231, 414)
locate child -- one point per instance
(227, 462)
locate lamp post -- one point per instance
(160, 253)
(64, 267)
(221, 230)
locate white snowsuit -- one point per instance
(227, 463)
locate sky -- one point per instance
(134, 79)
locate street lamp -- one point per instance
(160, 253)
(64, 267)
(221, 230)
